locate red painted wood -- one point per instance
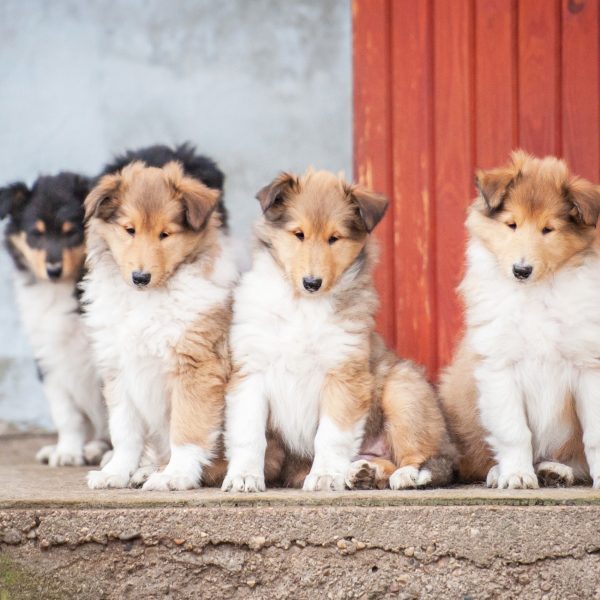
(440, 87)
(454, 153)
(581, 86)
(372, 136)
(414, 224)
(495, 81)
(539, 76)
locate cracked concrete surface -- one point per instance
(456, 543)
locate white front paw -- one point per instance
(164, 481)
(98, 480)
(69, 457)
(324, 481)
(44, 453)
(409, 477)
(244, 482)
(514, 479)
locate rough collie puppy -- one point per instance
(158, 302)
(522, 393)
(44, 236)
(312, 382)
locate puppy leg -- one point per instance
(127, 435)
(503, 415)
(588, 411)
(71, 425)
(346, 397)
(554, 474)
(245, 434)
(369, 474)
(415, 429)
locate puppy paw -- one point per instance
(243, 482)
(554, 474)
(516, 480)
(409, 477)
(164, 481)
(44, 453)
(94, 451)
(491, 480)
(324, 482)
(140, 476)
(361, 475)
(98, 480)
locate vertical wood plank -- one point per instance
(454, 112)
(539, 76)
(581, 86)
(414, 224)
(495, 81)
(372, 136)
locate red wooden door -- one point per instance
(442, 87)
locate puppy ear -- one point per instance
(102, 202)
(371, 206)
(276, 191)
(198, 200)
(585, 198)
(493, 185)
(81, 187)
(13, 199)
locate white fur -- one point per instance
(50, 315)
(538, 342)
(285, 345)
(134, 334)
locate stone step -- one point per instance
(59, 539)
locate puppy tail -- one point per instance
(442, 469)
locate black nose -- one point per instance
(141, 278)
(54, 270)
(522, 271)
(312, 284)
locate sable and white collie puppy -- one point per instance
(523, 393)
(44, 236)
(157, 298)
(313, 387)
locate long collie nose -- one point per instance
(522, 271)
(54, 270)
(311, 284)
(140, 278)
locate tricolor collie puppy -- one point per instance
(158, 302)
(44, 236)
(522, 395)
(313, 387)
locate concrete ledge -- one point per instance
(60, 540)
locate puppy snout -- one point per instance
(311, 284)
(54, 270)
(521, 271)
(140, 278)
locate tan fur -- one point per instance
(531, 195)
(394, 395)
(40, 226)
(150, 203)
(72, 258)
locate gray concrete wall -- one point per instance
(260, 85)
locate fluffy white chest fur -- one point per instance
(291, 342)
(537, 342)
(135, 331)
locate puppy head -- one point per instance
(534, 216)
(152, 219)
(45, 225)
(316, 227)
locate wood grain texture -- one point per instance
(373, 136)
(581, 86)
(455, 153)
(539, 76)
(413, 173)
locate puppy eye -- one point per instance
(162, 235)
(333, 239)
(547, 230)
(299, 235)
(130, 231)
(512, 225)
